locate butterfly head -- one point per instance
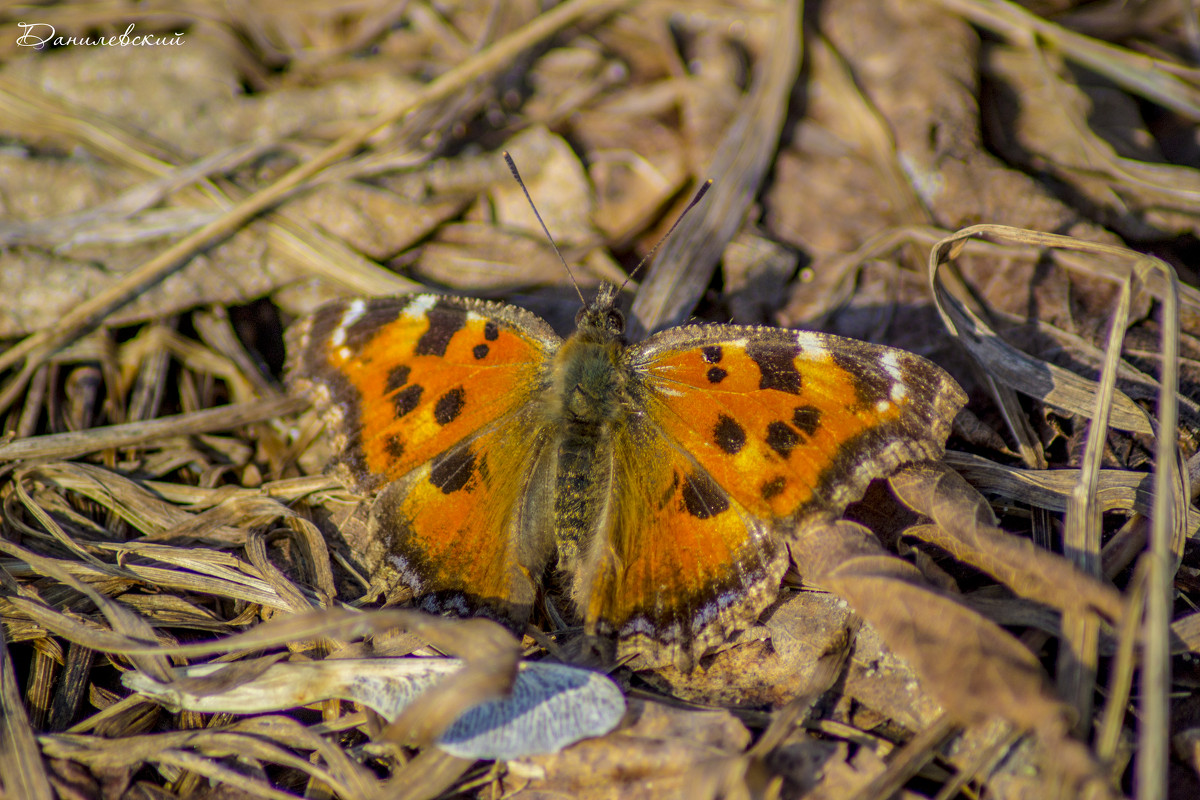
(601, 317)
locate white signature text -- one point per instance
(41, 34)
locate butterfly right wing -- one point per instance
(434, 400)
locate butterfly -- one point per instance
(658, 482)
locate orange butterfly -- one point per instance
(666, 476)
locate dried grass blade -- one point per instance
(1120, 686)
(684, 267)
(166, 750)
(1078, 660)
(256, 550)
(124, 621)
(1051, 384)
(1049, 489)
(427, 776)
(22, 773)
(908, 760)
(1166, 547)
(134, 434)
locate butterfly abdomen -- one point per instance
(587, 399)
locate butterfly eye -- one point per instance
(614, 321)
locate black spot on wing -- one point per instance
(782, 438)
(408, 399)
(807, 419)
(449, 406)
(450, 471)
(716, 374)
(772, 487)
(491, 331)
(444, 322)
(777, 365)
(480, 351)
(394, 446)
(377, 314)
(702, 497)
(729, 435)
(397, 377)
(712, 354)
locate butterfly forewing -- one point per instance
(404, 379)
(792, 423)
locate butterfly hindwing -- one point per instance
(466, 532)
(681, 563)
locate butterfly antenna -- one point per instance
(699, 194)
(512, 166)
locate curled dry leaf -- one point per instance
(974, 667)
(960, 529)
(787, 656)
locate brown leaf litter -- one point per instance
(1011, 195)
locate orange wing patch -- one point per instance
(454, 532)
(684, 564)
(792, 423)
(407, 378)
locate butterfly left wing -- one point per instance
(430, 398)
(762, 429)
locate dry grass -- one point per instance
(1019, 618)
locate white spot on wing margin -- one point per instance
(420, 306)
(891, 364)
(351, 315)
